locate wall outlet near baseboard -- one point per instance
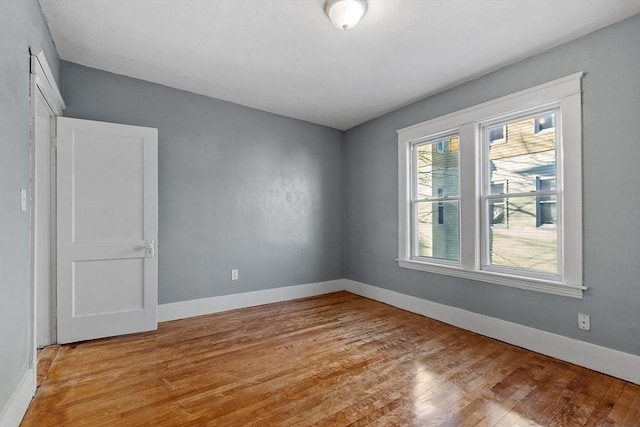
(584, 322)
(234, 274)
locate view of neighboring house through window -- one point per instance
(544, 122)
(435, 201)
(453, 144)
(440, 208)
(525, 155)
(497, 134)
(497, 211)
(546, 213)
(493, 192)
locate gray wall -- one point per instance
(238, 188)
(241, 188)
(611, 151)
(21, 26)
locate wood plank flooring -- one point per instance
(46, 356)
(332, 360)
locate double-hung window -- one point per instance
(493, 192)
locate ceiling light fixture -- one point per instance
(345, 14)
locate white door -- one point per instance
(107, 196)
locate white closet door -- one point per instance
(107, 201)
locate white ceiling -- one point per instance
(285, 56)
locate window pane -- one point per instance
(524, 156)
(438, 230)
(437, 168)
(524, 244)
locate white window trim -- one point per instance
(564, 92)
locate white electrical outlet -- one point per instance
(234, 274)
(584, 321)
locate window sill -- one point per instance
(531, 284)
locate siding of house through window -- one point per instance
(437, 177)
(526, 160)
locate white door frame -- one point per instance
(42, 83)
(41, 186)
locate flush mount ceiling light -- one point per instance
(345, 14)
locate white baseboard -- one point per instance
(611, 362)
(199, 307)
(17, 405)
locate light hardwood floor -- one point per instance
(332, 360)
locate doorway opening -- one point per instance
(46, 105)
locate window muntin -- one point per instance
(435, 209)
(558, 200)
(524, 246)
